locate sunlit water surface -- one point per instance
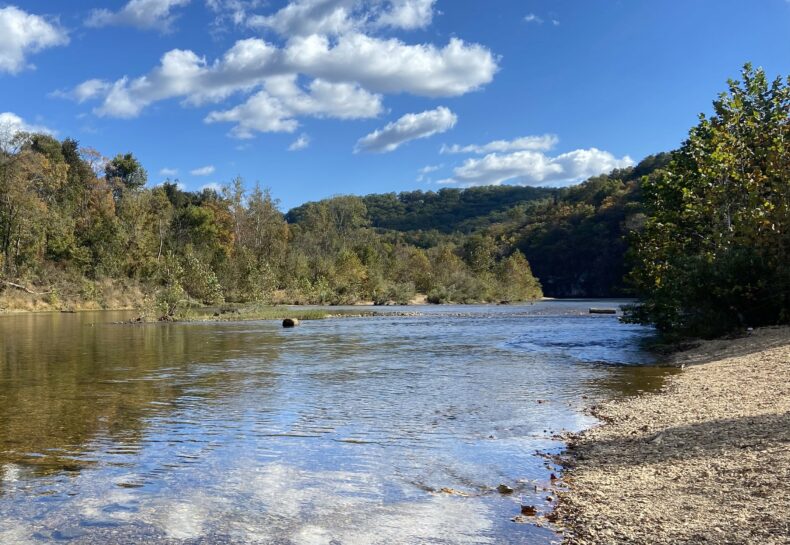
(340, 431)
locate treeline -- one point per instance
(575, 238)
(447, 210)
(701, 235)
(70, 222)
(578, 240)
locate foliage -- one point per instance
(447, 210)
(714, 253)
(66, 219)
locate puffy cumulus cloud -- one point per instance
(10, 124)
(144, 14)
(334, 65)
(23, 33)
(407, 128)
(536, 168)
(276, 107)
(391, 66)
(543, 142)
(407, 14)
(303, 142)
(207, 170)
(379, 66)
(336, 17)
(305, 17)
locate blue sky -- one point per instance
(320, 97)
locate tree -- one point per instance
(125, 173)
(715, 251)
(515, 276)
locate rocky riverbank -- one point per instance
(706, 460)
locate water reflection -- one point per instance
(337, 432)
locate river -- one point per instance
(380, 430)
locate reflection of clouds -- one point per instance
(183, 521)
(278, 503)
(440, 519)
(13, 532)
(319, 508)
(10, 474)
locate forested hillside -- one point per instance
(447, 210)
(574, 238)
(77, 229)
(701, 233)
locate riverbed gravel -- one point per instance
(704, 461)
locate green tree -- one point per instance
(125, 173)
(715, 251)
(516, 279)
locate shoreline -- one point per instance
(704, 460)
(253, 311)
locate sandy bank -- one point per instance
(707, 460)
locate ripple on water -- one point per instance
(342, 431)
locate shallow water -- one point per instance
(337, 432)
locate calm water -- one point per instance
(337, 432)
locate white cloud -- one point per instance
(168, 172)
(328, 65)
(300, 143)
(179, 185)
(391, 66)
(426, 170)
(233, 11)
(407, 14)
(355, 60)
(532, 18)
(336, 17)
(306, 17)
(203, 171)
(409, 127)
(345, 71)
(90, 89)
(535, 168)
(543, 142)
(23, 33)
(275, 108)
(217, 188)
(10, 124)
(144, 14)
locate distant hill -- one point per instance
(446, 210)
(575, 238)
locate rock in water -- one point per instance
(290, 322)
(504, 489)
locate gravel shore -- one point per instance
(705, 461)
